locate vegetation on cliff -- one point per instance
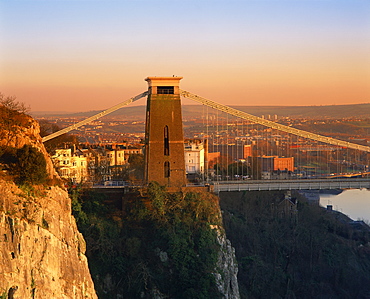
(25, 164)
(12, 117)
(314, 254)
(163, 244)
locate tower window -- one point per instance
(165, 90)
(167, 170)
(166, 142)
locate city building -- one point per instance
(96, 163)
(288, 208)
(271, 167)
(247, 150)
(71, 164)
(194, 157)
(284, 163)
(275, 163)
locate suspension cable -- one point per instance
(94, 117)
(272, 124)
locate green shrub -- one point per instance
(30, 166)
(26, 164)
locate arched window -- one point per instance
(166, 142)
(167, 170)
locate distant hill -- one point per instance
(193, 111)
(330, 111)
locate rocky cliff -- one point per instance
(226, 268)
(42, 254)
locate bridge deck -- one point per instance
(302, 184)
(261, 185)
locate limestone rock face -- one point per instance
(227, 268)
(41, 250)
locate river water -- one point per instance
(355, 203)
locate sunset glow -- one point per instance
(89, 55)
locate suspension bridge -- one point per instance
(241, 151)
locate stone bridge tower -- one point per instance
(164, 138)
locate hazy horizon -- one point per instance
(39, 113)
(67, 55)
(195, 104)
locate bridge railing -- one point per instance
(303, 184)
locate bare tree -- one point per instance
(11, 103)
(12, 116)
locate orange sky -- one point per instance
(91, 55)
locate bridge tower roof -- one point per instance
(163, 81)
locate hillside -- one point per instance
(313, 253)
(161, 245)
(192, 111)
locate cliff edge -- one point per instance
(42, 254)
